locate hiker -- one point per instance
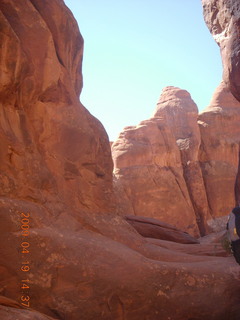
(233, 230)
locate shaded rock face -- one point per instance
(157, 164)
(86, 262)
(223, 20)
(219, 152)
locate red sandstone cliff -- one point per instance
(51, 147)
(219, 152)
(223, 20)
(156, 162)
(173, 168)
(86, 262)
(179, 166)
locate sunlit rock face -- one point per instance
(179, 165)
(51, 147)
(157, 163)
(85, 261)
(223, 20)
(181, 113)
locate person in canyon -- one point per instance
(233, 228)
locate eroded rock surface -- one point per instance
(219, 154)
(87, 269)
(180, 112)
(152, 228)
(223, 20)
(12, 310)
(86, 262)
(179, 150)
(51, 147)
(157, 164)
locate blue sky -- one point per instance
(135, 48)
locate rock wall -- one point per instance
(157, 164)
(200, 179)
(181, 113)
(181, 167)
(84, 261)
(223, 20)
(51, 147)
(219, 152)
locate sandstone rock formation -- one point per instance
(152, 228)
(214, 244)
(85, 261)
(223, 20)
(87, 269)
(180, 112)
(219, 152)
(51, 147)
(157, 164)
(12, 310)
(201, 150)
(14, 314)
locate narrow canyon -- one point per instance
(131, 231)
